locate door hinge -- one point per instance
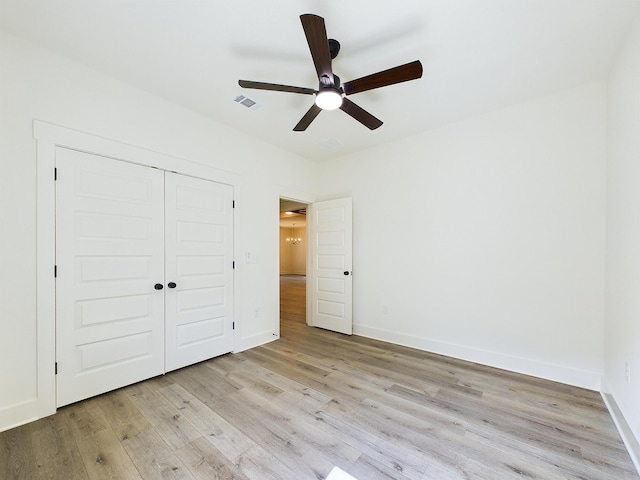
(55, 271)
(233, 325)
(233, 204)
(233, 265)
(55, 174)
(56, 368)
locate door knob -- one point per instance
(347, 272)
(171, 285)
(158, 286)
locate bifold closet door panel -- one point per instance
(110, 266)
(199, 270)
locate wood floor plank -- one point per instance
(286, 384)
(154, 458)
(367, 467)
(86, 418)
(341, 426)
(244, 408)
(560, 423)
(206, 462)
(287, 441)
(294, 408)
(554, 466)
(535, 434)
(607, 459)
(166, 419)
(317, 463)
(255, 383)
(122, 415)
(105, 458)
(56, 451)
(16, 453)
(282, 410)
(427, 416)
(292, 368)
(257, 463)
(200, 381)
(212, 427)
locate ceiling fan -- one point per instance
(331, 94)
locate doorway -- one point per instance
(293, 266)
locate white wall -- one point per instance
(37, 84)
(485, 238)
(622, 320)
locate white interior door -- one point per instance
(330, 251)
(109, 257)
(199, 276)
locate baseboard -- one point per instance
(254, 341)
(25, 412)
(556, 373)
(629, 439)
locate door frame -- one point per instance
(293, 196)
(48, 137)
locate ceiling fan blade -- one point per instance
(360, 114)
(276, 87)
(307, 119)
(399, 74)
(316, 34)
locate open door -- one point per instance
(329, 289)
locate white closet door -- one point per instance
(199, 275)
(109, 256)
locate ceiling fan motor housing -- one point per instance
(334, 47)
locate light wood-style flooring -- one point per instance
(295, 407)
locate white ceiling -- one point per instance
(297, 221)
(478, 55)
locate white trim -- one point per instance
(287, 193)
(48, 137)
(57, 136)
(294, 195)
(548, 371)
(256, 340)
(45, 281)
(628, 438)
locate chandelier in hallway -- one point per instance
(293, 240)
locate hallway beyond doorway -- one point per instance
(293, 298)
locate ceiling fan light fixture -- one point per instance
(328, 99)
(331, 93)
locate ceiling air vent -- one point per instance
(247, 102)
(331, 144)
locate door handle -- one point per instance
(171, 285)
(158, 286)
(347, 272)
